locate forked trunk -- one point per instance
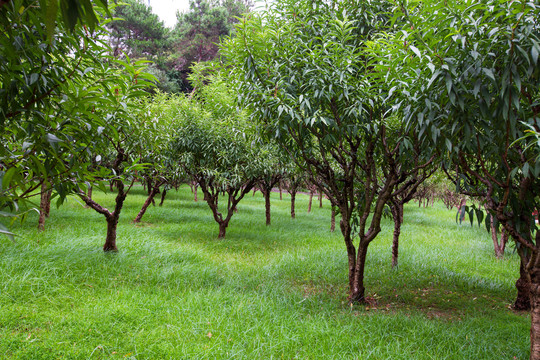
(110, 240)
(499, 248)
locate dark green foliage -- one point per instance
(198, 31)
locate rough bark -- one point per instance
(397, 215)
(222, 230)
(523, 286)
(535, 317)
(358, 289)
(45, 206)
(110, 240)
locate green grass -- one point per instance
(174, 291)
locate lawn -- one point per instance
(174, 291)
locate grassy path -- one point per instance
(176, 292)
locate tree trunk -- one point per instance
(320, 198)
(48, 203)
(89, 194)
(523, 301)
(110, 240)
(397, 211)
(266, 194)
(535, 319)
(358, 290)
(497, 247)
(163, 194)
(222, 229)
(195, 186)
(333, 220)
(310, 201)
(293, 200)
(44, 206)
(280, 190)
(149, 199)
(354, 295)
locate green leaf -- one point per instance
(479, 216)
(489, 73)
(416, 51)
(534, 54)
(525, 170)
(5, 231)
(6, 180)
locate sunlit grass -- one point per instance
(175, 291)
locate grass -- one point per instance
(174, 291)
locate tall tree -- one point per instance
(213, 145)
(41, 63)
(304, 69)
(198, 31)
(469, 74)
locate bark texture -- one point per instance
(397, 215)
(44, 206)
